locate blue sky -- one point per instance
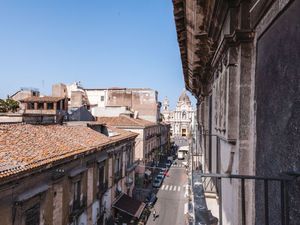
(115, 43)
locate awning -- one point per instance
(129, 205)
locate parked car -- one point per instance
(158, 180)
(151, 199)
(168, 163)
(160, 176)
(163, 171)
(157, 183)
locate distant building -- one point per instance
(144, 101)
(148, 141)
(46, 109)
(100, 101)
(181, 118)
(25, 93)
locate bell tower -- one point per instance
(166, 104)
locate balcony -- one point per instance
(51, 112)
(277, 202)
(77, 208)
(210, 185)
(149, 136)
(131, 167)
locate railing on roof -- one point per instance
(29, 89)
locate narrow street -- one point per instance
(171, 197)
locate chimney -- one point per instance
(136, 114)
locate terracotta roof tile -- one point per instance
(24, 147)
(124, 121)
(42, 99)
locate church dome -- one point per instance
(184, 98)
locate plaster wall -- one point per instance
(109, 111)
(142, 100)
(94, 97)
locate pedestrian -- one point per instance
(154, 214)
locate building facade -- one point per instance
(64, 174)
(240, 60)
(45, 109)
(148, 142)
(180, 119)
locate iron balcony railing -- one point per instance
(213, 182)
(77, 208)
(209, 185)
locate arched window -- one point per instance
(184, 115)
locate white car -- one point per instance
(163, 171)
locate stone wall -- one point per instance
(277, 100)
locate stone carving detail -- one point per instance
(220, 100)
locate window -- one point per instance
(32, 215)
(102, 179)
(183, 132)
(40, 105)
(63, 104)
(50, 105)
(118, 168)
(76, 194)
(129, 158)
(58, 105)
(183, 115)
(102, 98)
(101, 176)
(30, 105)
(117, 165)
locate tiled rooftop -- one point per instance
(42, 99)
(124, 121)
(24, 147)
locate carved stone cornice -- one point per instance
(231, 40)
(192, 19)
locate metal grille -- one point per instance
(282, 182)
